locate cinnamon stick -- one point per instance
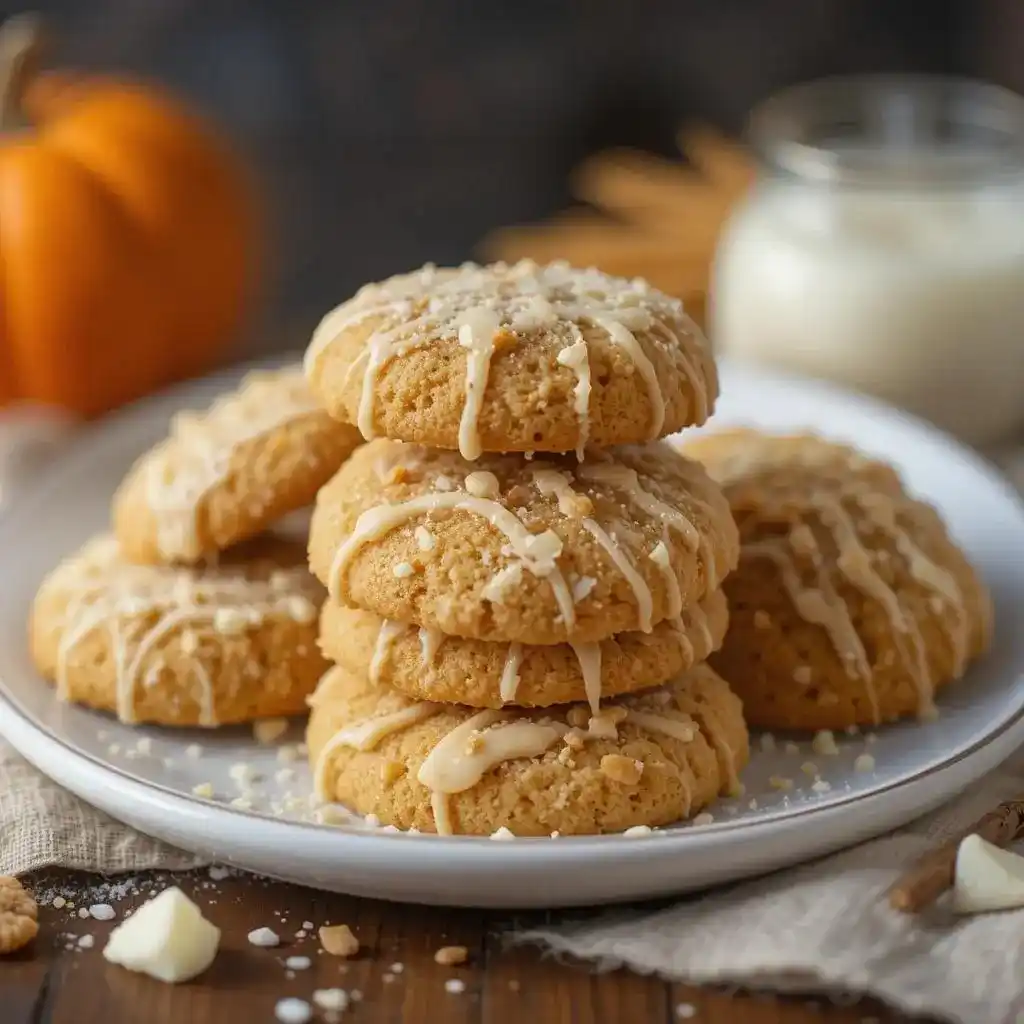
(934, 873)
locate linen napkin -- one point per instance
(42, 825)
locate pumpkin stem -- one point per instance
(21, 46)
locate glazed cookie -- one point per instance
(207, 646)
(428, 665)
(505, 548)
(521, 358)
(227, 474)
(649, 759)
(851, 604)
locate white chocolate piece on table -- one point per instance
(167, 938)
(987, 877)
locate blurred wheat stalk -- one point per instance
(647, 216)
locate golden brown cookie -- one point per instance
(521, 358)
(227, 474)
(19, 916)
(649, 759)
(428, 665)
(206, 645)
(534, 551)
(851, 605)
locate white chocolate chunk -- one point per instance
(265, 938)
(167, 938)
(425, 540)
(824, 743)
(293, 1011)
(987, 877)
(482, 484)
(269, 730)
(331, 999)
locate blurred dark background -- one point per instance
(386, 134)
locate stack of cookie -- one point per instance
(189, 612)
(523, 580)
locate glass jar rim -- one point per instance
(914, 130)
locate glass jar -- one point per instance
(883, 246)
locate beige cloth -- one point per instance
(42, 825)
(821, 927)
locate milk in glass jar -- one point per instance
(883, 246)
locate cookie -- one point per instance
(649, 759)
(851, 604)
(520, 358)
(428, 665)
(207, 645)
(507, 549)
(227, 474)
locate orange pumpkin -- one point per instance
(127, 236)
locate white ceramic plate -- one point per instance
(917, 766)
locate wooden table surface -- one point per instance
(394, 973)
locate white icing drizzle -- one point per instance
(462, 757)
(207, 706)
(882, 513)
(626, 479)
(440, 808)
(105, 592)
(476, 336)
(577, 357)
(197, 456)
(510, 673)
(589, 657)
(622, 337)
(418, 310)
(689, 620)
(681, 729)
(698, 620)
(380, 349)
(367, 735)
(821, 606)
(833, 478)
(700, 392)
(537, 551)
(552, 482)
(662, 558)
(430, 643)
(128, 680)
(642, 592)
(685, 643)
(388, 633)
(714, 731)
(854, 562)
